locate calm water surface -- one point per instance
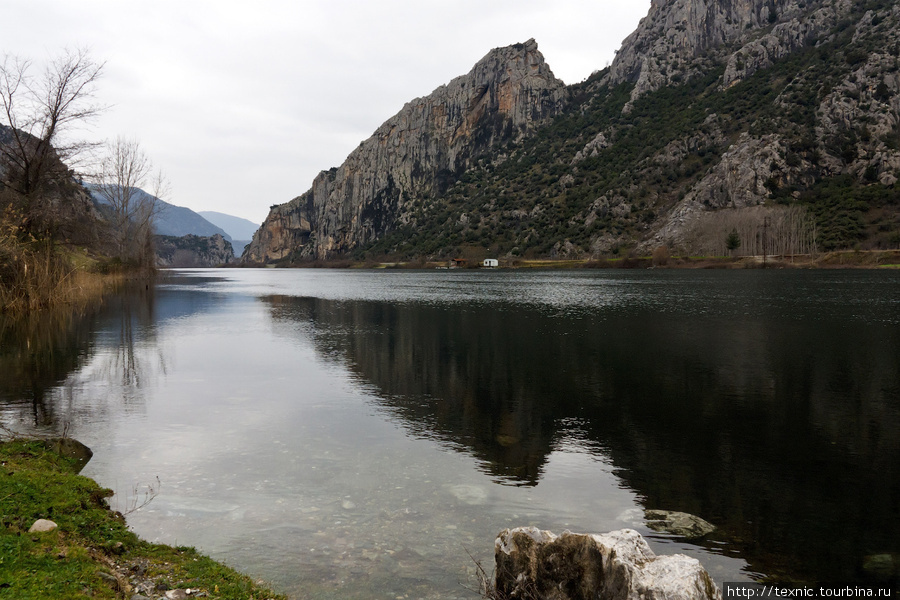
(349, 434)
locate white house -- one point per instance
(491, 263)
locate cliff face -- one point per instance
(680, 38)
(417, 153)
(193, 251)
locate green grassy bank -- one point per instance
(91, 554)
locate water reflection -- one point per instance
(300, 421)
(50, 359)
(780, 428)
(39, 351)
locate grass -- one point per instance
(92, 554)
(40, 275)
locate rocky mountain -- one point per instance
(778, 120)
(193, 251)
(416, 154)
(240, 230)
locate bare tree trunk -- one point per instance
(125, 170)
(762, 230)
(37, 112)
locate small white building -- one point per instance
(491, 263)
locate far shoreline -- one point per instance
(838, 259)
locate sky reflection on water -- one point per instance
(343, 432)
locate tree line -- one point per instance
(755, 231)
(48, 175)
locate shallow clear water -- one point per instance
(349, 434)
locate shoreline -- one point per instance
(88, 551)
(838, 259)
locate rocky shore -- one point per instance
(67, 543)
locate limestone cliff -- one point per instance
(417, 153)
(193, 251)
(679, 38)
(854, 131)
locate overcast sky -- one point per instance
(242, 103)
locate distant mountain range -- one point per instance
(241, 230)
(178, 221)
(238, 228)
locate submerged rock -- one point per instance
(470, 494)
(71, 449)
(882, 565)
(682, 524)
(615, 566)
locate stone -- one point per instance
(531, 563)
(42, 526)
(682, 524)
(469, 494)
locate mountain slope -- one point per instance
(778, 120)
(236, 227)
(414, 155)
(170, 220)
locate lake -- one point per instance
(362, 434)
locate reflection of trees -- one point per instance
(37, 352)
(781, 431)
(40, 351)
(124, 363)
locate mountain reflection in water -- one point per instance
(319, 428)
(783, 431)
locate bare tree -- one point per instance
(124, 173)
(754, 231)
(37, 113)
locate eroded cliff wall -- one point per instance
(418, 152)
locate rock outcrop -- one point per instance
(530, 563)
(71, 448)
(666, 46)
(783, 39)
(193, 251)
(418, 152)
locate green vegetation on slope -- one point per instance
(534, 197)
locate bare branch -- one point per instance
(37, 112)
(124, 174)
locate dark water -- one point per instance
(357, 434)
